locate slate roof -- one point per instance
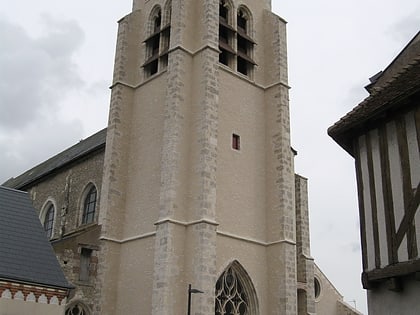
(26, 254)
(66, 157)
(395, 93)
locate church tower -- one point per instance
(199, 185)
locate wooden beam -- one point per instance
(362, 217)
(373, 205)
(406, 184)
(408, 218)
(398, 270)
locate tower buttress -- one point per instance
(199, 179)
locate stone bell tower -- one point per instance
(199, 183)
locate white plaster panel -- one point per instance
(395, 172)
(413, 149)
(414, 158)
(402, 250)
(376, 157)
(370, 245)
(396, 184)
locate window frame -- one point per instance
(45, 210)
(87, 205)
(157, 41)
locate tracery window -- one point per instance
(231, 298)
(77, 309)
(89, 206)
(49, 221)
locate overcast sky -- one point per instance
(56, 60)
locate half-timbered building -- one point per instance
(383, 134)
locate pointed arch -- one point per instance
(226, 11)
(235, 292)
(89, 202)
(157, 39)
(155, 20)
(226, 33)
(245, 43)
(167, 12)
(77, 308)
(47, 216)
(244, 20)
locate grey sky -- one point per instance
(56, 63)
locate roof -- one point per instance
(26, 254)
(77, 151)
(401, 86)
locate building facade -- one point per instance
(194, 182)
(383, 135)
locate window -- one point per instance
(77, 309)
(236, 142)
(317, 288)
(85, 254)
(89, 206)
(226, 35)
(235, 293)
(49, 221)
(245, 43)
(229, 37)
(157, 43)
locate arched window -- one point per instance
(245, 43)
(77, 309)
(49, 221)
(157, 42)
(226, 34)
(235, 41)
(89, 206)
(235, 294)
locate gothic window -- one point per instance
(239, 38)
(234, 293)
(77, 309)
(245, 44)
(89, 206)
(157, 42)
(226, 34)
(49, 221)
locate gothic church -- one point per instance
(193, 181)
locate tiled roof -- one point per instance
(26, 254)
(83, 148)
(391, 95)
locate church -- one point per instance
(192, 182)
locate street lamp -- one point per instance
(190, 291)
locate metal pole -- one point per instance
(189, 300)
